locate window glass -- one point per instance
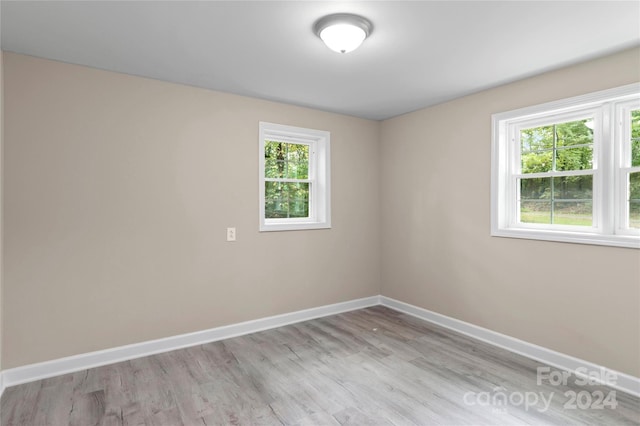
(557, 147)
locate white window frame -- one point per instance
(319, 142)
(611, 161)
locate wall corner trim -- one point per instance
(623, 382)
(56, 367)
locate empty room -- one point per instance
(320, 212)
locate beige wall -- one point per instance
(437, 253)
(118, 192)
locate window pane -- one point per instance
(577, 213)
(274, 159)
(298, 170)
(634, 186)
(285, 200)
(634, 214)
(298, 159)
(569, 144)
(535, 200)
(537, 162)
(535, 189)
(565, 200)
(574, 133)
(574, 158)
(634, 200)
(573, 188)
(573, 200)
(286, 160)
(537, 211)
(635, 137)
(536, 139)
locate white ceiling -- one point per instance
(420, 52)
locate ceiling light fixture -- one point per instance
(343, 32)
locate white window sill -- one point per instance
(297, 226)
(628, 241)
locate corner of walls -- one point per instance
(444, 258)
(380, 219)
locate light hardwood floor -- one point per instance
(369, 367)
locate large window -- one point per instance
(294, 178)
(569, 170)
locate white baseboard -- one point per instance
(56, 367)
(32, 372)
(623, 382)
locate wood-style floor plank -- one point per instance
(374, 366)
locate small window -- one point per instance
(294, 178)
(569, 170)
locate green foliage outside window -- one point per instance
(561, 200)
(634, 178)
(568, 199)
(559, 147)
(287, 195)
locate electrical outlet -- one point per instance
(231, 234)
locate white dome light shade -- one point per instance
(342, 32)
(343, 38)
